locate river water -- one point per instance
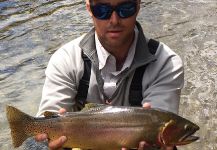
(30, 31)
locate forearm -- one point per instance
(56, 94)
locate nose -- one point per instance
(115, 19)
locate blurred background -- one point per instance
(30, 31)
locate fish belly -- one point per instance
(99, 138)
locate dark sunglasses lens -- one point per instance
(102, 11)
(126, 10)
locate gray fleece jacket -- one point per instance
(162, 81)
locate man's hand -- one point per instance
(147, 105)
(56, 144)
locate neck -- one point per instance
(120, 52)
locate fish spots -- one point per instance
(109, 127)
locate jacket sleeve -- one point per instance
(62, 76)
(163, 80)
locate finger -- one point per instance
(56, 144)
(143, 145)
(41, 137)
(62, 111)
(169, 148)
(123, 148)
(147, 105)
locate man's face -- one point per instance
(115, 31)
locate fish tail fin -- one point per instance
(17, 120)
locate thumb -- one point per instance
(62, 111)
(147, 105)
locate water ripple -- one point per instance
(23, 19)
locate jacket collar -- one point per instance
(142, 54)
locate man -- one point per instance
(116, 47)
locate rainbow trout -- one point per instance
(102, 127)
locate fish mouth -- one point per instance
(188, 137)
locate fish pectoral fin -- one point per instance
(165, 135)
(49, 114)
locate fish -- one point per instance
(102, 127)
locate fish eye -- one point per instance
(187, 127)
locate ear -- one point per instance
(138, 7)
(88, 8)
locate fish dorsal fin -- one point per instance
(166, 132)
(49, 114)
(94, 107)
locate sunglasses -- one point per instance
(104, 11)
